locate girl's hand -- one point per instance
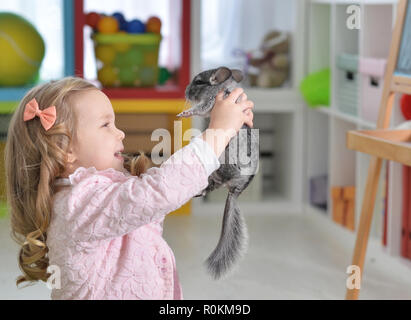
(229, 115)
(227, 118)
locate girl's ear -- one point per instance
(220, 75)
(71, 157)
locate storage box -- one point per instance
(343, 199)
(318, 191)
(127, 60)
(372, 84)
(347, 85)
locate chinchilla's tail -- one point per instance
(233, 240)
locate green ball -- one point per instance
(315, 88)
(163, 75)
(134, 57)
(120, 61)
(107, 76)
(22, 50)
(148, 76)
(127, 77)
(105, 53)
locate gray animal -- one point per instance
(239, 163)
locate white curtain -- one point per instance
(231, 25)
(47, 17)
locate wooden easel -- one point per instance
(383, 144)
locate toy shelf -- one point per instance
(327, 126)
(278, 112)
(176, 91)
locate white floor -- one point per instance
(290, 256)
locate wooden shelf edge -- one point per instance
(148, 105)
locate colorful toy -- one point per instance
(105, 53)
(315, 88)
(121, 46)
(107, 76)
(134, 56)
(108, 25)
(136, 26)
(406, 106)
(127, 77)
(151, 58)
(270, 64)
(153, 25)
(163, 75)
(147, 76)
(127, 51)
(22, 51)
(121, 21)
(92, 19)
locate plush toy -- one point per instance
(269, 66)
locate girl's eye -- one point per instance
(107, 124)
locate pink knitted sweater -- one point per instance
(105, 234)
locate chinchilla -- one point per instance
(239, 164)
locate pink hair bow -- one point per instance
(47, 116)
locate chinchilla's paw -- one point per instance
(185, 114)
(202, 194)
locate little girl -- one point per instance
(76, 208)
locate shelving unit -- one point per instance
(327, 125)
(174, 91)
(304, 142)
(278, 109)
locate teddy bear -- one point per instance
(269, 66)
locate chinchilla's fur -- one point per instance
(234, 173)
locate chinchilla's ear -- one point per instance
(237, 75)
(221, 75)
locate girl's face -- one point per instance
(97, 139)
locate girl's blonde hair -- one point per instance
(34, 158)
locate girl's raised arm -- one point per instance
(101, 209)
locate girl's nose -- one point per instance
(122, 134)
